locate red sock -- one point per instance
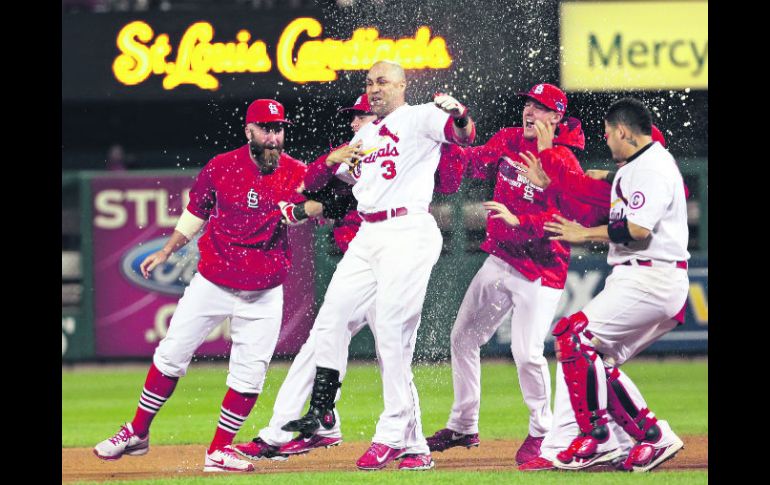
(157, 389)
(235, 409)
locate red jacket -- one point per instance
(526, 247)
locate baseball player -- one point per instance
(643, 298)
(525, 272)
(244, 258)
(388, 263)
(592, 188)
(273, 442)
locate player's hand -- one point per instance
(532, 169)
(566, 230)
(450, 105)
(598, 174)
(349, 155)
(287, 214)
(314, 208)
(545, 135)
(501, 212)
(152, 261)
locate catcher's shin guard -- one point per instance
(639, 422)
(578, 359)
(321, 411)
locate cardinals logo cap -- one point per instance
(265, 111)
(549, 96)
(361, 104)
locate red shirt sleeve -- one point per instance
(318, 173)
(568, 178)
(297, 179)
(203, 193)
(483, 160)
(451, 166)
(449, 133)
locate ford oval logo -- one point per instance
(170, 278)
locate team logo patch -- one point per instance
(384, 131)
(538, 89)
(637, 200)
(559, 106)
(253, 199)
(273, 108)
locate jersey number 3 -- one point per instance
(390, 169)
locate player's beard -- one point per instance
(267, 156)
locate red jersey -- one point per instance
(244, 246)
(448, 177)
(527, 247)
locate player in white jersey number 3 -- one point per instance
(388, 262)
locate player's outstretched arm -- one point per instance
(348, 154)
(501, 212)
(574, 232)
(295, 214)
(463, 126)
(187, 227)
(176, 241)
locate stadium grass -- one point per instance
(440, 477)
(96, 401)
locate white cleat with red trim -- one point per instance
(124, 442)
(225, 460)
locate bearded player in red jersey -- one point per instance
(244, 259)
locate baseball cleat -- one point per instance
(646, 455)
(257, 449)
(446, 438)
(583, 453)
(225, 460)
(378, 456)
(529, 450)
(125, 442)
(416, 462)
(303, 444)
(536, 465)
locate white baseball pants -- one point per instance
(393, 260)
(293, 394)
(255, 322)
(635, 308)
(497, 289)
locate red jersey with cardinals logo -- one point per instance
(527, 247)
(245, 245)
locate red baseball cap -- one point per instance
(265, 111)
(658, 136)
(549, 96)
(361, 104)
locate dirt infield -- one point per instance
(79, 464)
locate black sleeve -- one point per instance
(337, 199)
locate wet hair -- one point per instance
(632, 113)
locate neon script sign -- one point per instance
(198, 59)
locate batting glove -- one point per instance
(450, 105)
(287, 212)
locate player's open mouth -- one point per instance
(529, 124)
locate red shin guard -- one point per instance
(578, 360)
